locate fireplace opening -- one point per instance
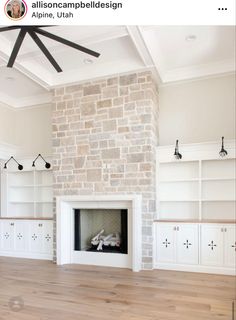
(101, 230)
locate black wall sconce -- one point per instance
(47, 164)
(20, 167)
(177, 155)
(223, 152)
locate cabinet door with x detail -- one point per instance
(230, 245)
(36, 237)
(212, 245)
(48, 237)
(187, 243)
(21, 236)
(165, 246)
(7, 235)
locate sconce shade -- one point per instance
(222, 152)
(177, 155)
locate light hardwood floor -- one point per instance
(95, 293)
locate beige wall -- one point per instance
(197, 111)
(7, 125)
(33, 130)
(28, 128)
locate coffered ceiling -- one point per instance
(172, 53)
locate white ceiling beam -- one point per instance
(22, 65)
(111, 35)
(136, 36)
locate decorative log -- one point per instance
(98, 235)
(110, 240)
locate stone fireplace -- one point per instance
(104, 143)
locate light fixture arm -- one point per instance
(47, 164)
(20, 167)
(176, 147)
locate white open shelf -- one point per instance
(179, 171)
(27, 193)
(198, 188)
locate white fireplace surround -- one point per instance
(65, 230)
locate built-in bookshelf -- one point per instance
(199, 187)
(27, 193)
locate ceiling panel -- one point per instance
(13, 82)
(172, 49)
(123, 49)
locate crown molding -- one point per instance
(199, 71)
(187, 81)
(25, 102)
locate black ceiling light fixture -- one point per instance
(177, 155)
(47, 164)
(20, 167)
(34, 31)
(222, 152)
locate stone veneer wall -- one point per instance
(104, 142)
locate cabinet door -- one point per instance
(187, 244)
(21, 236)
(48, 237)
(229, 246)
(7, 235)
(212, 252)
(165, 247)
(36, 236)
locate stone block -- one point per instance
(116, 112)
(79, 162)
(104, 103)
(110, 92)
(135, 157)
(83, 149)
(92, 89)
(109, 125)
(94, 175)
(88, 109)
(128, 79)
(112, 153)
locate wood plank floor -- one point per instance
(96, 293)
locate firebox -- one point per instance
(101, 230)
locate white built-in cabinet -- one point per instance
(26, 220)
(177, 243)
(218, 245)
(196, 247)
(26, 238)
(196, 205)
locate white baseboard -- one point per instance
(196, 268)
(25, 255)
